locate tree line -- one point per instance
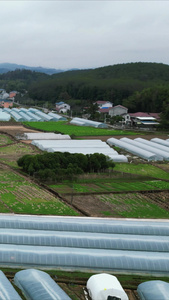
(58, 166)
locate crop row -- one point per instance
(111, 186)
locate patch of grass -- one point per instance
(5, 139)
(142, 169)
(65, 128)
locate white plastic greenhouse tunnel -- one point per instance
(4, 116)
(160, 141)
(86, 122)
(7, 291)
(105, 286)
(45, 136)
(153, 144)
(38, 285)
(143, 145)
(147, 155)
(79, 146)
(153, 290)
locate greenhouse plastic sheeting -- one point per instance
(153, 290)
(160, 141)
(33, 116)
(84, 151)
(25, 116)
(38, 285)
(42, 115)
(45, 136)
(16, 116)
(84, 240)
(4, 116)
(118, 158)
(86, 259)
(156, 145)
(147, 155)
(144, 146)
(7, 292)
(78, 224)
(159, 147)
(57, 117)
(87, 122)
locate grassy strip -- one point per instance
(65, 128)
(142, 169)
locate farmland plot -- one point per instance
(109, 185)
(127, 205)
(18, 195)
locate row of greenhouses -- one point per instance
(29, 115)
(78, 243)
(79, 146)
(149, 150)
(34, 284)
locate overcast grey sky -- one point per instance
(83, 34)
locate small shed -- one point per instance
(105, 286)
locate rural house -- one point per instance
(118, 110)
(62, 107)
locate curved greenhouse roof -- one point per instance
(78, 243)
(88, 259)
(156, 146)
(86, 122)
(33, 116)
(4, 116)
(143, 146)
(16, 116)
(25, 116)
(160, 141)
(147, 155)
(45, 136)
(7, 292)
(153, 144)
(42, 115)
(84, 240)
(38, 285)
(56, 117)
(78, 224)
(154, 289)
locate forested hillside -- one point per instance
(113, 83)
(139, 86)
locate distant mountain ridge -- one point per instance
(7, 67)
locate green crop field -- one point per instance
(17, 195)
(111, 185)
(134, 206)
(65, 128)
